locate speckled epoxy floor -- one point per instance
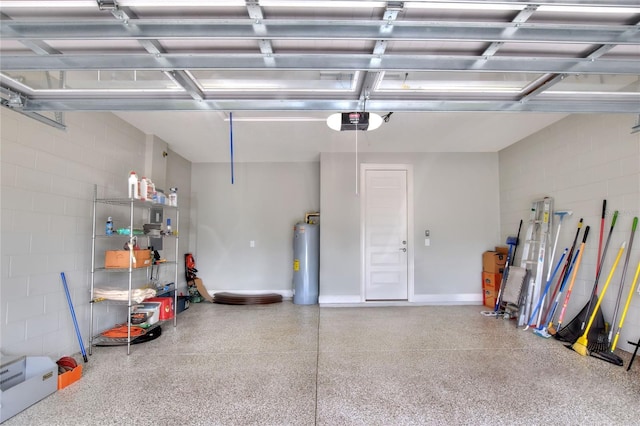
(285, 364)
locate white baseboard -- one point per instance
(449, 299)
(330, 300)
(419, 299)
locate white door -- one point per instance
(386, 248)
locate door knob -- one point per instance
(403, 249)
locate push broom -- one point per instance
(580, 346)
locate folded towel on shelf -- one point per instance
(137, 294)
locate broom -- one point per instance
(573, 330)
(608, 355)
(580, 346)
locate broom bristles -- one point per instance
(580, 346)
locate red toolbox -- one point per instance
(167, 310)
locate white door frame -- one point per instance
(410, 243)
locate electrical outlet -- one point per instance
(427, 242)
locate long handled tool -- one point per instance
(580, 346)
(608, 355)
(575, 327)
(604, 212)
(73, 316)
(561, 214)
(626, 308)
(573, 276)
(546, 290)
(562, 278)
(547, 326)
(600, 265)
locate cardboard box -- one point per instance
(491, 281)
(12, 371)
(502, 249)
(489, 298)
(167, 310)
(69, 377)
(493, 262)
(41, 380)
(120, 258)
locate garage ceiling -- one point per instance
(286, 61)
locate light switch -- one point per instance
(252, 243)
(427, 242)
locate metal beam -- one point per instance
(546, 82)
(300, 29)
(240, 61)
(370, 78)
(586, 104)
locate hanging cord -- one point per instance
(231, 143)
(356, 159)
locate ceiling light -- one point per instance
(588, 9)
(464, 6)
(354, 121)
(323, 3)
(49, 4)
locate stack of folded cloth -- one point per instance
(137, 295)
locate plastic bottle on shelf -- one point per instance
(133, 185)
(109, 226)
(153, 194)
(173, 197)
(144, 189)
(169, 227)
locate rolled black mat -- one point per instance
(246, 299)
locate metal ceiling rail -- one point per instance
(584, 105)
(313, 29)
(255, 61)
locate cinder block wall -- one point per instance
(579, 161)
(47, 186)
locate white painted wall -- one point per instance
(579, 161)
(47, 185)
(455, 197)
(264, 203)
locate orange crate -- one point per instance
(69, 377)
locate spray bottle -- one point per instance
(109, 226)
